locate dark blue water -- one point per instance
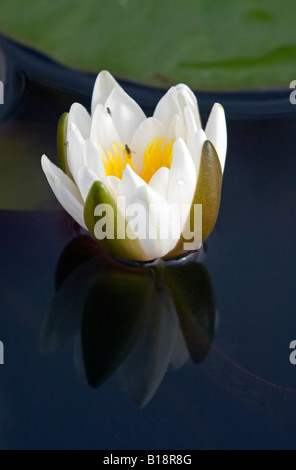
(240, 394)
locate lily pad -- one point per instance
(207, 44)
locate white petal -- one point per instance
(217, 133)
(182, 180)
(126, 114)
(186, 98)
(177, 127)
(75, 150)
(103, 131)
(64, 189)
(167, 107)
(129, 183)
(112, 184)
(159, 181)
(103, 86)
(93, 160)
(196, 147)
(191, 127)
(124, 190)
(162, 227)
(79, 116)
(171, 111)
(191, 135)
(145, 133)
(86, 178)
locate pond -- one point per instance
(92, 359)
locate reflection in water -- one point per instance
(133, 320)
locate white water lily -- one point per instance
(164, 161)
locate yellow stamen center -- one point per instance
(158, 154)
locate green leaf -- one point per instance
(206, 44)
(124, 248)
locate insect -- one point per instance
(109, 111)
(127, 149)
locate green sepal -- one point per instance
(207, 193)
(124, 248)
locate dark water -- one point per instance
(239, 394)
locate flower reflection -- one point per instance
(136, 321)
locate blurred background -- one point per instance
(208, 44)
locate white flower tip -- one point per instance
(74, 106)
(51, 171)
(182, 86)
(105, 74)
(216, 131)
(218, 110)
(180, 145)
(132, 176)
(201, 135)
(44, 162)
(105, 78)
(129, 169)
(103, 86)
